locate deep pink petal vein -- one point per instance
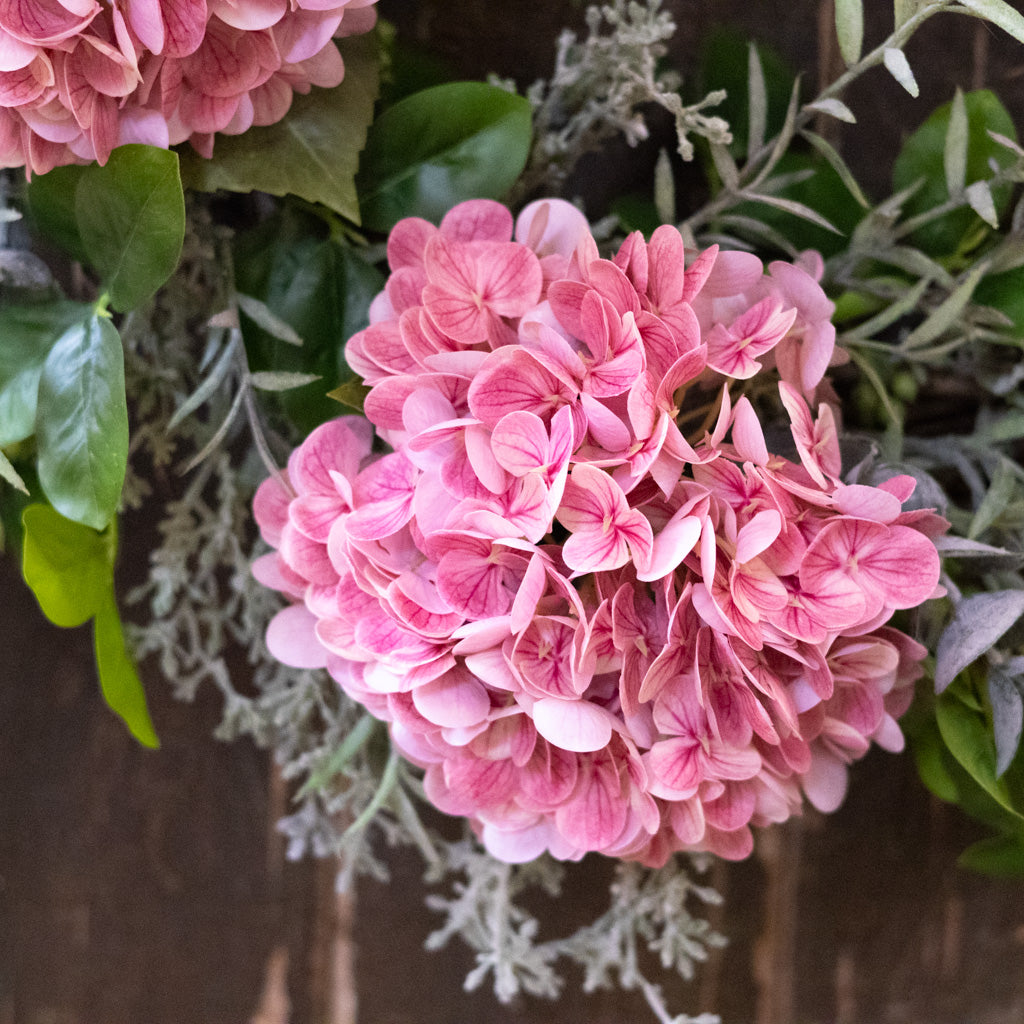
(80, 77)
(592, 604)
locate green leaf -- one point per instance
(68, 566)
(321, 288)
(1004, 292)
(850, 29)
(131, 214)
(82, 423)
(313, 152)
(1001, 14)
(439, 147)
(998, 855)
(28, 333)
(51, 209)
(351, 394)
(923, 158)
(119, 680)
(966, 734)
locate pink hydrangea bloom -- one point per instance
(591, 603)
(80, 77)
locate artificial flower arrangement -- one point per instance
(595, 551)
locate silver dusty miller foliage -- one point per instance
(202, 618)
(199, 429)
(600, 86)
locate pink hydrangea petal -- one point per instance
(291, 638)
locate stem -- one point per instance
(730, 196)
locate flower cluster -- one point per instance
(593, 605)
(80, 77)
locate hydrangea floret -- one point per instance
(592, 604)
(80, 77)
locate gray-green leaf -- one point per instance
(978, 622)
(1007, 716)
(955, 152)
(898, 66)
(850, 29)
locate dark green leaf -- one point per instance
(967, 735)
(131, 213)
(1004, 292)
(999, 855)
(923, 157)
(439, 147)
(1007, 715)
(321, 288)
(68, 566)
(51, 209)
(119, 681)
(313, 153)
(82, 423)
(725, 64)
(28, 333)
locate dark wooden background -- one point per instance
(150, 888)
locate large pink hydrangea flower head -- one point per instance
(80, 77)
(592, 604)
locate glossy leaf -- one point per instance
(923, 159)
(440, 146)
(67, 565)
(119, 680)
(82, 423)
(966, 734)
(320, 288)
(131, 215)
(28, 333)
(313, 152)
(51, 208)
(978, 622)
